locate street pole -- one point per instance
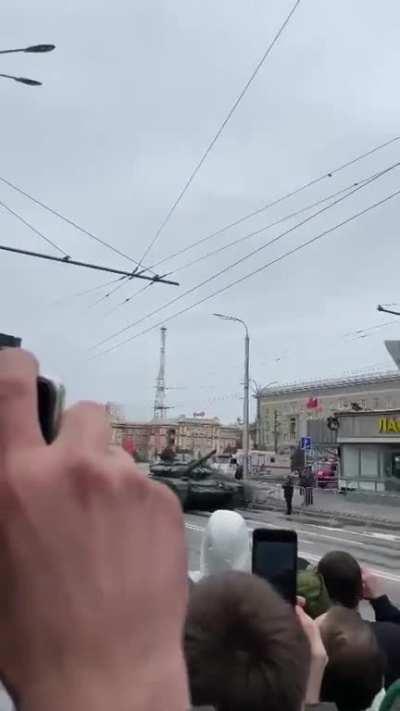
(246, 388)
(246, 405)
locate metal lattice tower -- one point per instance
(160, 408)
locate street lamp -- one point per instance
(22, 80)
(245, 390)
(36, 48)
(387, 311)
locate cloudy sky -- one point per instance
(131, 98)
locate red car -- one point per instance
(327, 475)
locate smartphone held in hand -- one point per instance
(50, 394)
(274, 558)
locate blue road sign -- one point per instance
(305, 443)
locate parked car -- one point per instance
(326, 475)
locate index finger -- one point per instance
(19, 420)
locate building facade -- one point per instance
(287, 413)
(192, 435)
(369, 445)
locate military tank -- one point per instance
(199, 486)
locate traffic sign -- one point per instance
(305, 443)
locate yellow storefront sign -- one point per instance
(389, 424)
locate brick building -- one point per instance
(194, 435)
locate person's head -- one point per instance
(244, 647)
(355, 671)
(225, 544)
(343, 578)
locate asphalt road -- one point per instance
(379, 551)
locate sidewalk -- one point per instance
(331, 506)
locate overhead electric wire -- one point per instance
(87, 265)
(219, 131)
(130, 298)
(278, 200)
(84, 292)
(260, 269)
(33, 228)
(360, 332)
(239, 240)
(367, 182)
(243, 238)
(70, 222)
(259, 231)
(112, 291)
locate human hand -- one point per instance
(372, 585)
(319, 657)
(92, 564)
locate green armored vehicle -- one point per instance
(199, 486)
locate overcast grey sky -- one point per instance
(131, 97)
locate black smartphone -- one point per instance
(51, 395)
(274, 558)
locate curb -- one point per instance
(325, 516)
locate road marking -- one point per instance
(314, 558)
(367, 534)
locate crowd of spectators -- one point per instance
(95, 607)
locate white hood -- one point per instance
(225, 545)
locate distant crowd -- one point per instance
(97, 610)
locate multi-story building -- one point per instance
(194, 435)
(287, 413)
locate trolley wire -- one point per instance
(33, 228)
(255, 251)
(71, 222)
(260, 269)
(277, 201)
(219, 131)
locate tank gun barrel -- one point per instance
(198, 462)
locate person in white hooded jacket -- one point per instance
(225, 545)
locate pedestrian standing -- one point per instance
(309, 487)
(303, 489)
(288, 491)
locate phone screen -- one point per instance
(276, 561)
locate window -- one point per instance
(292, 427)
(369, 463)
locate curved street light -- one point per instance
(387, 311)
(22, 80)
(225, 317)
(34, 49)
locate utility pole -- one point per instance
(160, 408)
(246, 406)
(276, 431)
(246, 384)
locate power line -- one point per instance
(219, 132)
(255, 271)
(130, 298)
(119, 286)
(33, 229)
(366, 182)
(278, 200)
(84, 292)
(254, 233)
(202, 257)
(239, 240)
(87, 265)
(70, 222)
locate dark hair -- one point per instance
(355, 671)
(343, 579)
(244, 646)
